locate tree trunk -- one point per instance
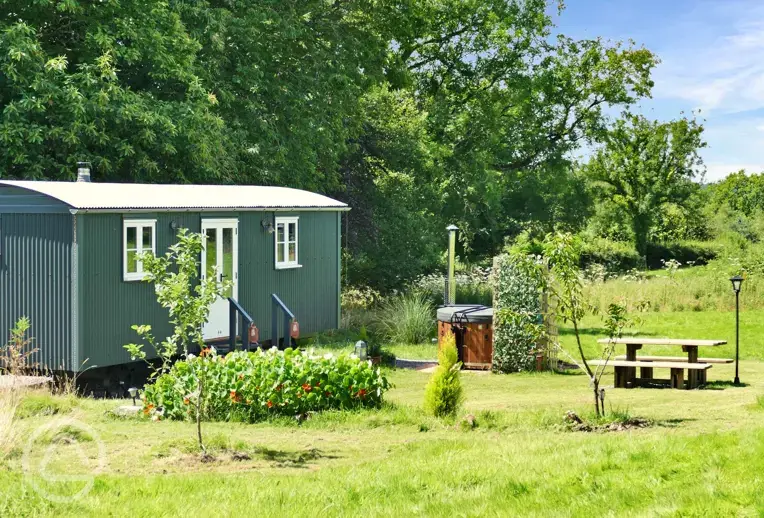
(640, 225)
(199, 418)
(597, 398)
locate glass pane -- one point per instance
(280, 233)
(228, 259)
(211, 249)
(293, 232)
(132, 238)
(292, 252)
(147, 231)
(280, 253)
(132, 262)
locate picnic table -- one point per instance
(626, 367)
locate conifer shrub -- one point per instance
(444, 394)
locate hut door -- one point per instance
(220, 257)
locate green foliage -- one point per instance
(742, 193)
(615, 256)
(114, 83)
(16, 355)
(252, 386)
(186, 297)
(645, 167)
(518, 329)
(443, 395)
(472, 287)
(685, 252)
(406, 319)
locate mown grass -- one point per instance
(702, 456)
(698, 325)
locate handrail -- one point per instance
(288, 317)
(236, 311)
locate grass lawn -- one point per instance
(704, 456)
(686, 324)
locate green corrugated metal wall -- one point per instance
(35, 281)
(109, 306)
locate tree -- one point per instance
(113, 83)
(562, 257)
(508, 101)
(645, 164)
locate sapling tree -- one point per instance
(186, 295)
(562, 254)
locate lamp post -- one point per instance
(737, 282)
(451, 291)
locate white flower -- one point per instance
(190, 356)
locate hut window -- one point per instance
(139, 236)
(286, 243)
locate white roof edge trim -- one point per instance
(118, 197)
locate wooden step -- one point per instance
(677, 359)
(654, 365)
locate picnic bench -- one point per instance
(696, 367)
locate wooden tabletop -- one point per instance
(664, 341)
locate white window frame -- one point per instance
(286, 263)
(139, 225)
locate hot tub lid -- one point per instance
(465, 313)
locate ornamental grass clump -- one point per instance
(253, 386)
(444, 395)
(408, 319)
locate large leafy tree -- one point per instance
(289, 76)
(645, 165)
(508, 101)
(109, 82)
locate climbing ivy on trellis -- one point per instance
(519, 332)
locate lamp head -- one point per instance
(737, 282)
(132, 391)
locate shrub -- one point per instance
(444, 395)
(250, 386)
(685, 252)
(517, 329)
(356, 303)
(408, 319)
(472, 287)
(615, 256)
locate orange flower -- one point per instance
(327, 394)
(306, 387)
(269, 404)
(235, 397)
(362, 393)
(185, 401)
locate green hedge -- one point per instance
(619, 256)
(252, 386)
(517, 309)
(685, 252)
(616, 256)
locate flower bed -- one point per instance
(250, 386)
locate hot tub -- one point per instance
(472, 326)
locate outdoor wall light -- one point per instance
(133, 391)
(737, 283)
(267, 226)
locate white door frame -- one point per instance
(218, 318)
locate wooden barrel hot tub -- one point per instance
(472, 326)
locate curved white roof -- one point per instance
(136, 196)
